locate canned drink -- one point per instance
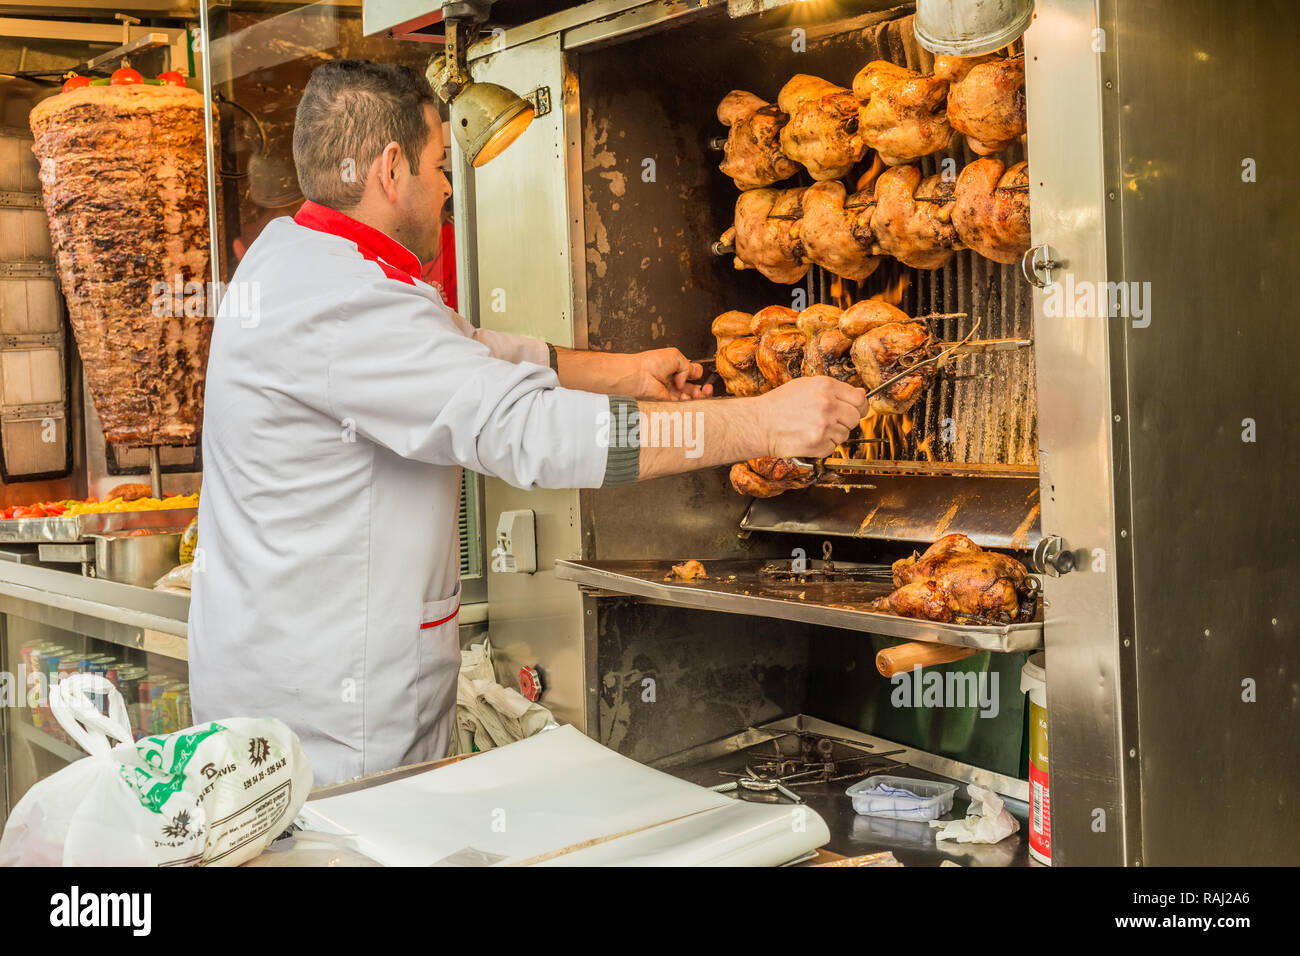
(144, 691)
(171, 711)
(50, 668)
(157, 711)
(32, 665)
(184, 717)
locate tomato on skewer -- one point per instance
(125, 77)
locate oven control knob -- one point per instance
(1051, 557)
(530, 683)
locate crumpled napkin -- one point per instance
(987, 820)
(488, 714)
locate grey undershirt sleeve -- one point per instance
(623, 464)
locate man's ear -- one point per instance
(389, 165)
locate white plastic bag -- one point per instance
(176, 581)
(212, 794)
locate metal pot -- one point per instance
(970, 27)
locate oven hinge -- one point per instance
(1037, 264)
(540, 98)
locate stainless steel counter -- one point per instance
(122, 614)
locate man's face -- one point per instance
(423, 198)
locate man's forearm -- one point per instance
(607, 373)
(675, 437)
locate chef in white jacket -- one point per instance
(343, 401)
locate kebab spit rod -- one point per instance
(155, 470)
(903, 657)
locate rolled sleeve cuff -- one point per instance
(623, 460)
(515, 348)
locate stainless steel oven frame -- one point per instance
(1156, 756)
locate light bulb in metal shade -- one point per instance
(487, 118)
(970, 27)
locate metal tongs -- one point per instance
(817, 466)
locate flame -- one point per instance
(840, 292)
(892, 434)
(893, 294)
(868, 179)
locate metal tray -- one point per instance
(735, 587)
(78, 527)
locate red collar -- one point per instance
(397, 261)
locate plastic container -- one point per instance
(1033, 681)
(933, 799)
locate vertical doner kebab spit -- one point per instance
(123, 175)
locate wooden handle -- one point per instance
(903, 657)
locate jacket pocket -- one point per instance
(439, 664)
(436, 613)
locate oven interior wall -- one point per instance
(654, 202)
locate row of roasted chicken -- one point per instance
(900, 113)
(863, 345)
(921, 221)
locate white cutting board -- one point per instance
(554, 790)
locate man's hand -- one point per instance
(658, 375)
(665, 375)
(808, 417)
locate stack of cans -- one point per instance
(155, 703)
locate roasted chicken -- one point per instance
(866, 315)
(826, 350)
(734, 361)
(822, 133)
(763, 234)
(888, 335)
(986, 99)
(955, 581)
(732, 325)
(828, 235)
(991, 212)
(912, 220)
(827, 353)
(769, 477)
(753, 150)
(780, 344)
(902, 115)
(817, 318)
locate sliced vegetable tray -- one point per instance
(66, 529)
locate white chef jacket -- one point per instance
(343, 399)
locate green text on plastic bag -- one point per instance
(167, 758)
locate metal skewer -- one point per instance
(155, 470)
(936, 359)
(985, 345)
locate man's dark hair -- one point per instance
(350, 111)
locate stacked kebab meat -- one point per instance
(849, 226)
(123, 175)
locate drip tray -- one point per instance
(740, 587)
